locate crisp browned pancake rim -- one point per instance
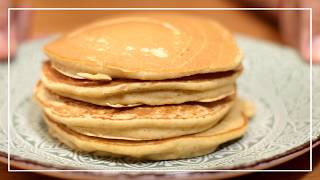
(56, 76)
(143, 142)
(69, 101)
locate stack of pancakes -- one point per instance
(151, 87)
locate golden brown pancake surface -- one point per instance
(231, 127)
(149, 47)
(135, 123)
(150, 86)
(128, 93)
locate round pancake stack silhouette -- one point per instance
(152, 87)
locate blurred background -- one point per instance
(286, 27)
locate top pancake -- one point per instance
(149, 47)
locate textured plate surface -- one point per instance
(275, 78)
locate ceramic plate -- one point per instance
(275, 78)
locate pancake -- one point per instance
(146, 47)
(123, 92)
(135, 123)
(231, 127)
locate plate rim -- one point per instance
(22, 163)
(17, 161)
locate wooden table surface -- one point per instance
(44, 23)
